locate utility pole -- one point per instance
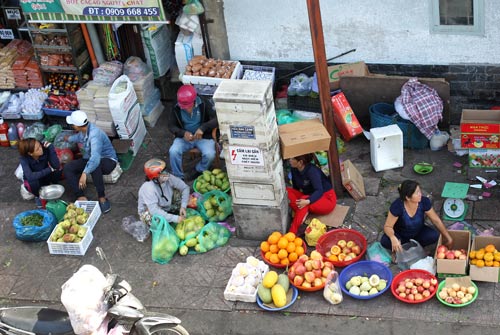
(318, 43)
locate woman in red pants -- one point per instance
(312, 190)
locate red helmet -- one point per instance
(153, 168)
(186, 96)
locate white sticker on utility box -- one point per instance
(246, 156)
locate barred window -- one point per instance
(457, 17)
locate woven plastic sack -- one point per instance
(215, 206)
(165, 241)
(315, 229)
(51, 132)
(34, 233)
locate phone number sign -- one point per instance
(246, 156)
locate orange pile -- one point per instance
(487, 256)
(282, 249)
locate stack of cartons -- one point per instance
(247, 123)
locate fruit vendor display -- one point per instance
(71, 229)
(416, 289)
(364, 285)
(310, 271)
(343, 251)
(210, 67)
(281, 249)
(457, 294)
(274, 289)
(487, 256)
(209, 237)
(442, 252)
(212, 180)
(32, 220)
(245, 278)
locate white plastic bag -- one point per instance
(83, 297)
(19, 173)
(426, 264)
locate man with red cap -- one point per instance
(192, 121)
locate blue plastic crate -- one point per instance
(383, 114)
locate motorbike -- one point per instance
(123, 309)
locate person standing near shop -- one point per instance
(406, 220)
(191, 122)
(156, 194)
(312, 190)
(40, 165)
(98, 158)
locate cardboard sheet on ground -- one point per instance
(334, 219)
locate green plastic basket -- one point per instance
(474, 297)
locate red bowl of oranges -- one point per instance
(342, 246)
(282, 250)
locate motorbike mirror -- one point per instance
(103, 257)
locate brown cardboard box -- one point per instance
(480, 129)
(358, 69)
(352, 180)
(303, 137)
(486, 273)
(461, 240)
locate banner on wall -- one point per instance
(97, 11)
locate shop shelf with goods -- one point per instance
(62, 54)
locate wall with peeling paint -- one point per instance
(383, 32)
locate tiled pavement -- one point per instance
(196, 282)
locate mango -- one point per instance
(264, 294)
(284, 281)
(279, 295)
(270, 279)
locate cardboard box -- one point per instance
(352, 180)
(486, 273)
(484, 158)
(187, 46)
(303, 137)
(358, 69)
(345, 120)
(461, 240)
(480, 129)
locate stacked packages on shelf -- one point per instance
(8, 57)
(27, 73)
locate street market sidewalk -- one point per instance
(196, 282)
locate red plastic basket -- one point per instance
(327, 240)
(411, 274)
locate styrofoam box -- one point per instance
(272, 165)
(93, 209)
(262, 269)
(267, 193)
(211, 80)
(187, 46)
(151, 118)
(76, 249)
(386, 147)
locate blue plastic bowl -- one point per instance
(365, 268)
(295, 293)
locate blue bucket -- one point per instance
(383, 114)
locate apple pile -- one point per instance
(310, 271)
(343, 251)
(444, 253)
(457, 294)
(416, 289)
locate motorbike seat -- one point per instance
(37, 320)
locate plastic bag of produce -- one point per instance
(215, 206)
(212, 236)
(314, 231)
(34, 131)
(51, 132)
(83, 298)
(300, 85)
(60, 143)
(34, 225)
(189, 227)
(135, 68)
(284, 116)
(165, 240)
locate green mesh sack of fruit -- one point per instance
(34, 225)
(189, 227)
(211, 236)
(215, 206)
(165, 240)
